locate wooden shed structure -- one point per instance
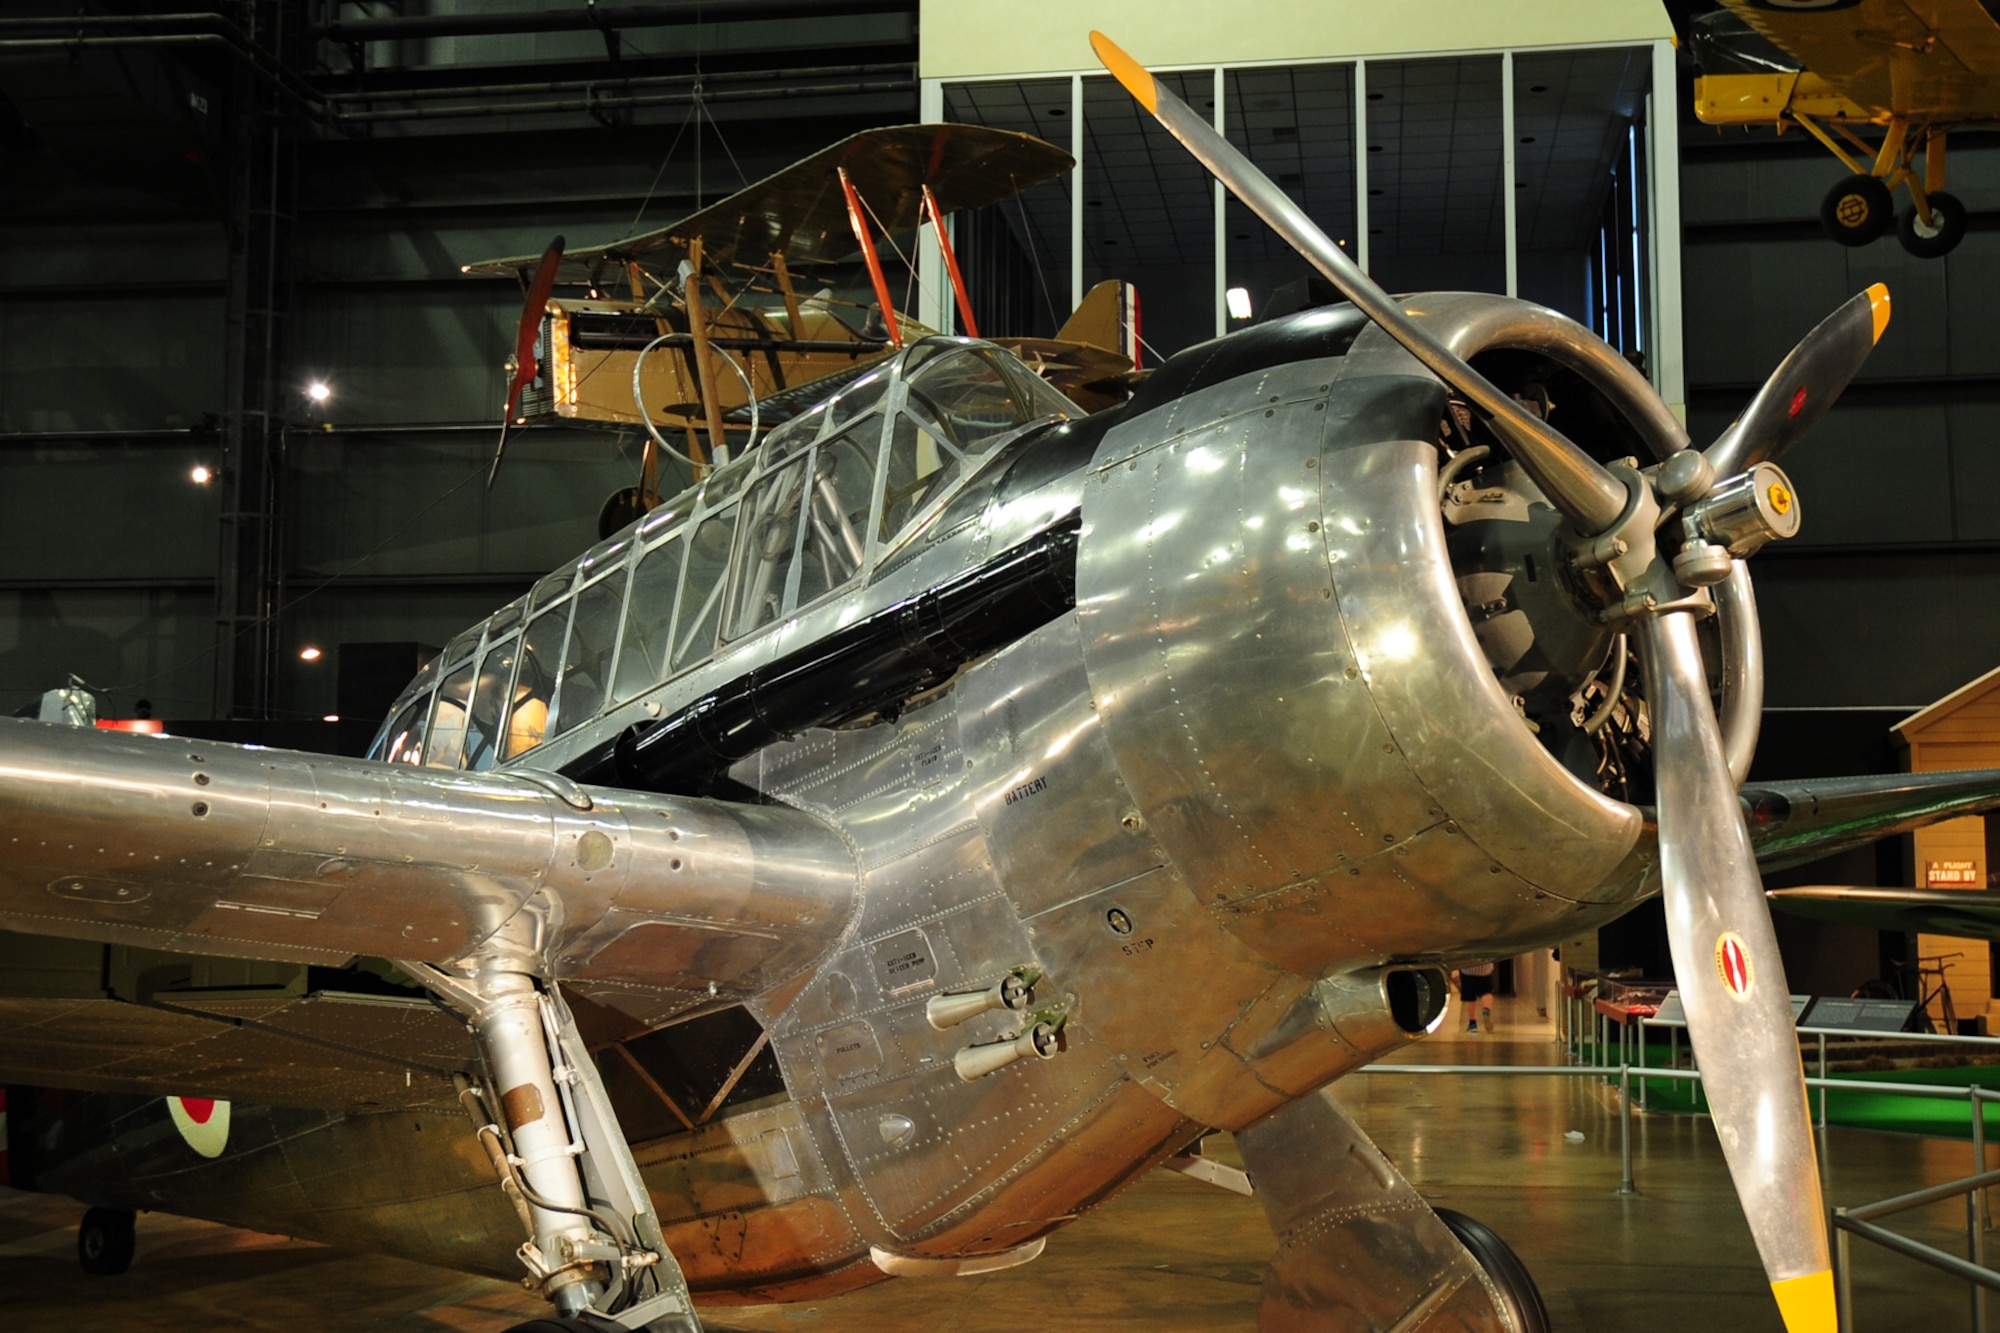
(1961, 730)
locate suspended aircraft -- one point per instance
(699, 330)
(1843, 69)
(883, 852)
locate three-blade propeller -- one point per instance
(523, 365)
(1724, 949)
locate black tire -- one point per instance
(1948, 219)
(1857, 210)
(105, 1241)
(1518, 1292)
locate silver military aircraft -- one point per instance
(883, 852)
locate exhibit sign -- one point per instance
(1952, 875)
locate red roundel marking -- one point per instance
(1732, 965)
(1798, 404)
(202, 1121)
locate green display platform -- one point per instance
(1937, 1116)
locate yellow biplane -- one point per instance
(1844, 70)
(710, 330)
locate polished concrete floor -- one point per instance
(1169, 1254)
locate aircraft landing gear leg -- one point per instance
(594, 1247)
(1357, 1247)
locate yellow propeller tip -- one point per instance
(1878, 306)
(1806, 1303)
(1126, 70)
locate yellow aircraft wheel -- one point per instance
(1857, 210)
(1941, 237)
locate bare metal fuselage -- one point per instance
(1259, 770)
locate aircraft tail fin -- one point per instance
(1108, 318)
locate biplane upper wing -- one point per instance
(645, 906)
(1925, 59)
(801, 212)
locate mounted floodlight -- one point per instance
(309, 654)
(318, 391)
(1239, 302)
(201, 474)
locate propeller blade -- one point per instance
(1732, 984)
(1806, 383)
(525, 365)
(1574, 481)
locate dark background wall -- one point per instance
(185, 244)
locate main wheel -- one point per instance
(1523, 1300)
(1857, 210)
(1941, 237)
(105, 1241)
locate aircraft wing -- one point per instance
(1792, 823)
(1968, 913)
(1931, 59)
(648, 906)
(802, 212)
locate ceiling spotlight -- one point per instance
(200, 474)
(331, 717)
(1239, 302)
(318, 391)
(309, 654)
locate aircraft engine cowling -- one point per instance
(1277, 630)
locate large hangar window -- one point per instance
(1297, 124)
(1148, 211)
(1526, 172)
(1580, 164)
(1016, 254)
(1437, 207)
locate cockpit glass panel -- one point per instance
(858, 398)
(766, 548)
(605, 554)
(668, 515)
(506, 618)
(551, 587)
(535, 680)
(1039, 397)
(489, 697)
(448, 719)
(649, 620)
(701, 591)
(403, 741)
(593, 638)
(920, 465)
(843, 484)
(726, 482)
(463, 645)
(968, 394)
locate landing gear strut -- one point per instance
(593, 1246)
(105, 1241)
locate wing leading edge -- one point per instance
(213, 849)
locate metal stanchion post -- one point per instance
(1822, 1074)
(1843, 1274)
(1642, 1064)
(1979, 1153)
(1975, 1249)
(1625, 1129)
